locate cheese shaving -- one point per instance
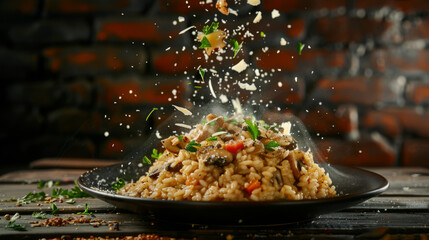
(186, 29)
(232, 11)
(241, 66)
(183, 125)
(219, 133)
(247, 86)
(254, 2)
(183, 110)
(258, 17)
(158, 135)
(237, 106)
(211, 88)
(283, 42)
(286, 128)
(223, 98)
(275, 13)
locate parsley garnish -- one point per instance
(191, 146)
(270, 146)
(153, 109)
(197, 86)
(300, 47)
(262, 34)
(39, 215)
(253, 129)
(146, 160)
(32, 197)
(236, 46)
(54, 208)
(86, 212)
(211, 139)
(155, 154)
(118, 184)
(180, 138)
(75, 192)
(11, 223)
(209, 29)
(202, 73)
(205, 43)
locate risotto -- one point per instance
(233, 159)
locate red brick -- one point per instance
(383, 122)
(415, 152)
(347, 29)
(406, 60)
(123, 148)
(415, 30)
(412, 120)
(71, 120)
(297, 28)
(358, 90)
(290, 61)
(418, 92)
(323, 120)
(409, 6)
(152, 29)
(94, 60)
(284, 89)
(299, 5)
(95, 6)
(371, 150)
(11, 7)
(49, 32)
(17, 64)
(150, 91)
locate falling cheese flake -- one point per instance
(254, 2)
(211, 88)
(258, 17)
(232, 11)
(237, 106)
(241, 66)
(183, 110)
(181, 19)
(223, 98)
(246, 86)
(183, 125)
(219, 133)
(158, 135)
(275, 13)
(186, 29)
(283, 42)
(286, 128)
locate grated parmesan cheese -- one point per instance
(247, 86)
(183, 110)
(186, 29)
(241, 66)
(237, 106)
(232, 11)
(223, 98)
(219, 133)
(286, 128)
(183, 125)
(283, 42)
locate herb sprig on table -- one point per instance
(11, 223)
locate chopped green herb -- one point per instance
(86, 212)
(211, 123)
(75, 192)
(253, 129)
(146, 160)
(236, 46)
(204, 121)
(39, 215)
(155, 154)
(32, 197)
(197, 86)
(118, 184)
(202, 73)
(47, 184)
(180, 138)
(191, 146)
(300, 47)
(205, 43)
(54, 208)
(262, 34)
(271, 145)
(211, 139)
(154, 109)
(209, 29)
(11, 223)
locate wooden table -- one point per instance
(402, 212)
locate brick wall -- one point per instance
(67, 68)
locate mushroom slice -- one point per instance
(214, 155)
(169, 145)
(277, 176)
(297, 161)
(209, 128)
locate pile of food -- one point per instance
(233, 159)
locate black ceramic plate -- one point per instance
(354, 185)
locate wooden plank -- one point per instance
(397, 203)
(31, 176)
(77, 163)
(336, 225)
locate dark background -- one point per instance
(67, 68)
